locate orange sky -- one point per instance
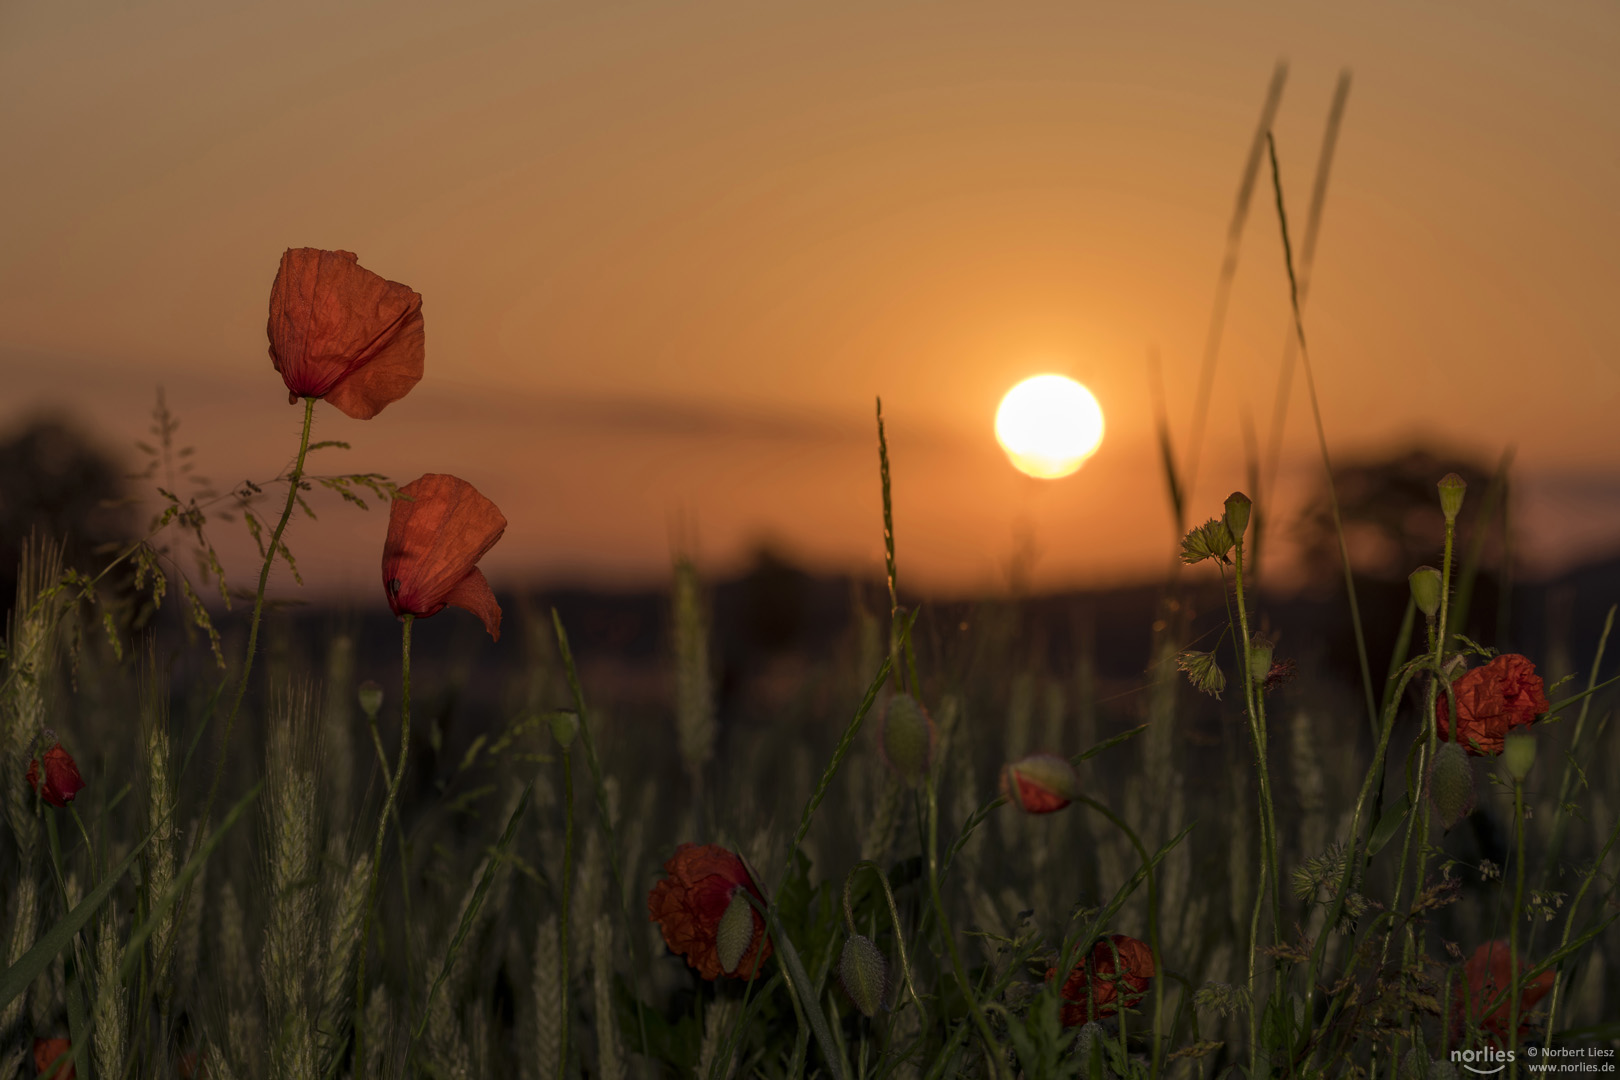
(669, 254)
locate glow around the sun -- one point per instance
(1049, 425)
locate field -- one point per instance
(242, 844)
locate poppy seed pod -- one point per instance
(1040, 783)
(908, 738)
(1451, 784)
(1425, 584)
(371, 698)
(864, 973)
(1519, 754)
(1452, 489)
(1237, 514)
(564, 727)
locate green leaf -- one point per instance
(1388, 825)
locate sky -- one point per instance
(670, 255)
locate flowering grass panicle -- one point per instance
(543, 1059)
(609, 1055)
(694, 693)
(289, 945)
(111, 1031)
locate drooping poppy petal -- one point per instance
(436, 535)
(1095, 987)
(62, 779)
(1491, 701)
(46, 1052)
(1040, 783)
(1485, 979)
(342, 333)
(689, 904)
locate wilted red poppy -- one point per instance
(1491, 701)
(436, 535)
(62, 779)
(1040, 783)
(340, 332)
(689, 903)
(46, 1051)
(1095, 987)
(1486, 975)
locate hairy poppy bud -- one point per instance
(564, 726)
(1040, 783)
(1425, 583)
(699, 891)
(1237, 514)
(735, 932)
(371, 698)
(908, 739)
(864, 973)
(1452, 489)
(1451, 784)
(1519, 754)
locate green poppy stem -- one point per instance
(376, 851)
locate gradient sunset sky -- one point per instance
(670, 253)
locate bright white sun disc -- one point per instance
(1049, 425)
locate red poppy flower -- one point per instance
(62, 779)
(340, 332)
(435, 538)
(1095, 987)
(46, 1051)
(1487, 975)
(1491, 701)
(1040, 783)
(688, 904)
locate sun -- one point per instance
(1049, 425)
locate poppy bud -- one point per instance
(1237, 514)
(1451, 784)
(864, 973)
(908, 739)
(1425, 583)
(1519, 754)
(62, 779)
(1261, 650)
(1040, 783)
(564, 726)
(1452, 488)
(371, 699)
(735, 932)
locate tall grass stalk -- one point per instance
(275, 547)
(1228, 274)
(1321, 441)
(293, 851)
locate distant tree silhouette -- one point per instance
(55, 481)
(1392, 520)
